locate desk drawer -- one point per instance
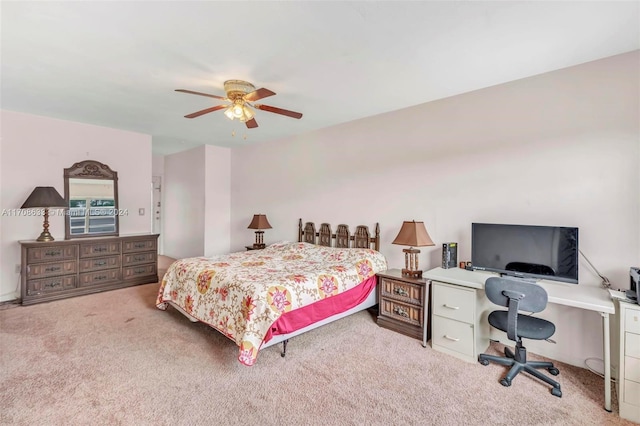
(632, 369)
(632, 321)
(455, 303)
(632, 345)
(632, 392)
(453, 335)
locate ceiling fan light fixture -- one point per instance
(229, 113)
(248, 113)
(238, 111)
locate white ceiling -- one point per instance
(116, 64)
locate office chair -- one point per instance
(519, 295)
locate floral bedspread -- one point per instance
(242, 294)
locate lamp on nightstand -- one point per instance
(44, 197)
(259, 222)
(412, 234)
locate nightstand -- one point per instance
(404, 304)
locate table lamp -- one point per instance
(44, 197)
(259, 222)
(412, 234)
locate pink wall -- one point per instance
(197, 202)
(560, 148)
(35, 152)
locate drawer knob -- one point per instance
(453, 339)
(401, 291)
(451, 307)
(399, 311)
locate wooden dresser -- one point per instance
(60, 269)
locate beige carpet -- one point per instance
(114, 359)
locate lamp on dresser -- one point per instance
(412, 234)
(44, 197)
(259, 222)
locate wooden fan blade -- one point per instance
(288, 113)
(206, 111)
(251, 124)
(258, 94)
(200, 94)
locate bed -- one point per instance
(263, 297)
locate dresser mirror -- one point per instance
(91, 192)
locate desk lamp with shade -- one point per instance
(259, 222)
(44, 197)
(412, 234)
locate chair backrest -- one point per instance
(531, 297)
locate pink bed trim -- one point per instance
(322, 309)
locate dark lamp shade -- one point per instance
(413, 234)
(259, 222)
(43, 197)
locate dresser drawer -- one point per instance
(453, 335)
(50, 285)
(400, 311)
(455, 303)
(404, 291)
(41, 270)
(99, 263)
(48, 254)
(632, 321)
(139, 271)
(99, 277)
(138, 245)
(138, 258)
(99, 249)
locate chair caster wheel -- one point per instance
(483, 361)
(553, 371)
(556, 392)
(506, 382)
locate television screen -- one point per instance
(526, 251)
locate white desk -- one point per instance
(578, 296)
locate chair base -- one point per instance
(518, 362)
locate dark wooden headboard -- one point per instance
(342, 238)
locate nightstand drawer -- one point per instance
(455, 303)
(404, 291)
(453, 335)
(405, 312)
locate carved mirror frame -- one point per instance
(90, 169)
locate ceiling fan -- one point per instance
(241, 96)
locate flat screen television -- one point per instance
(526, 251)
